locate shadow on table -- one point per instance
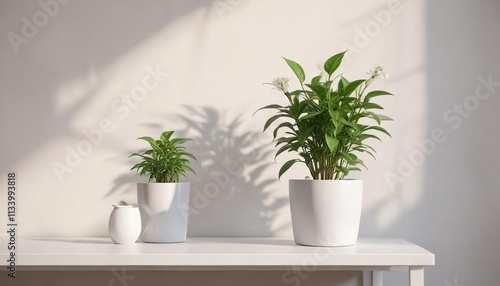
(90, 240)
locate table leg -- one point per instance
(377, 278)
(372, 278)
(416, 276)
(367, 278)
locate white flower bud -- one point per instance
(281, 83)
(376, 73)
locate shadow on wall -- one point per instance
(457, 215)
(77, 50)
(124, 184)
(230, 185)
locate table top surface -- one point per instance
(205, 251)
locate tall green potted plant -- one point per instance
(164, 200)
(327, 123)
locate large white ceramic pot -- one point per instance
(164, 211)
(124, 225)
(326, 212)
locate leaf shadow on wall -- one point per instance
(83, 40)
(230, 194)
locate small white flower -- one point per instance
(376, 73)
(321, 68)
(281, 83)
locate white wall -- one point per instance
(77, 69)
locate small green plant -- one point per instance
(166, 161)
(327, 121)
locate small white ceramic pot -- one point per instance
(124, 224)
(164, 211)
(326, 212)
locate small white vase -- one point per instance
(124, 224)
(326, 212)
(164, 211)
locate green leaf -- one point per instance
(189, 169)
(375, 93)
(332, 143)
(296, 92)
(287, 166)
(270, 106)
(177, 141)
(338, 128)
(335, 115)
(352, 86)
(305, 134)
(366, 136)
(378, 128)
(271, 120)
(286, 140)
(310, 115)
(332, 64)
(346, 102)
(344, 170)
(318, 90)
(165, 136)
(135, 155)
(150, 140)
(364, 150)
(371, 105)
(384, 118)
(297, 69)
(294, 109)
(284, 124)
(343, 120)
(188, 155)
(375, 116)
(350, 160)
(343, 82)
(316, 80)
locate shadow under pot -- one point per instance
(164, 211)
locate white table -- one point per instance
(373, 256)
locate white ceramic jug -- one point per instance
(124, 224)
